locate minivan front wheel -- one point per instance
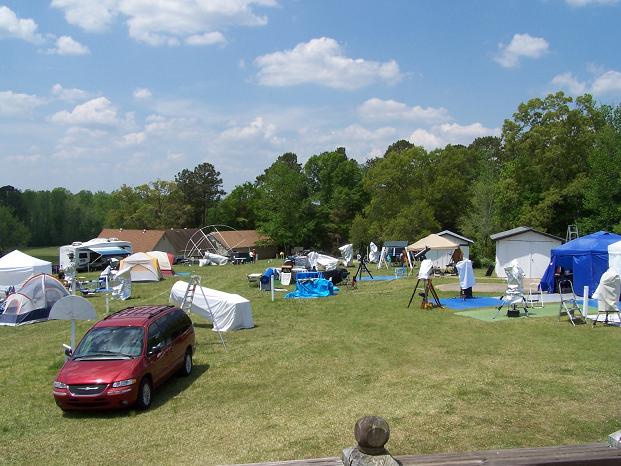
(145, 394)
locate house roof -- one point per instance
(452, 233)
(142, 240)
(519, 231)
(147, 240)
(395, 244)
(240, 238)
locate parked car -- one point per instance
(124, 357)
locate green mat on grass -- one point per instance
(487, 314)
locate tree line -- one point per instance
(557, 162)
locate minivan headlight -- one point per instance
(123, 383)
(58, 384)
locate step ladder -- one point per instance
(188, 298)
(572, 233)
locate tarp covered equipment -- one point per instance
(230, 311)
(316, 288)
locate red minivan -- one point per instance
(122, 358)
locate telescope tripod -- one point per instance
(428, 290)
(362, 267)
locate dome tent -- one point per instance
(33, 301)
(17, 266)
(142, 268)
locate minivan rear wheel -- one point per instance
(145, 394)
(186, 369)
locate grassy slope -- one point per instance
(293, 386)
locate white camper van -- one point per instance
(93, 254)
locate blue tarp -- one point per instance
(460, 304)
(317, 288)
(586, 257)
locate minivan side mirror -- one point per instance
(68, 350)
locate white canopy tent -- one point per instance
(17, 266)
(441, 249)
(230, 311)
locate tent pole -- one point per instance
(73, 334)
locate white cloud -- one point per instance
(13, 27)
(570, 83)
(207, 38)
(578, 3)
(256, 129)
(521, 45)
(604, 82)
(134, 138)
(450, 133)
(321, 61)
(608, 83)
(90, 15)
(96, 111)
(81, 143)
(170, 22)
(142, 93)
(378, 109)
(14, 104)
(65, 45)
(70, 95)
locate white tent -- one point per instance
(230, 311)
(16, 267)
(142, 268)
(441, 249)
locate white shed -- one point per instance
(531, 249)
(464, 243)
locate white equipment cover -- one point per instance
(373, 252)
(425, 269)
(16, 267)
(142, 268)
(515, 283)
(215, 259)
(321, 261)
(230, 311)
(121, 286)
(607, 292)
(466, 274)
(347, 254)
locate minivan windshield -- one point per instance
(110, 343)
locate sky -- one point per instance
(99, 93)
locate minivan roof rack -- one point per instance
(140, 311)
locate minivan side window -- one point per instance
(154, 337)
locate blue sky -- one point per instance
(97, 93)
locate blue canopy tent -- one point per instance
(586, 257)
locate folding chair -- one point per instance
(569, 303)
(514, 294)
(535, 296)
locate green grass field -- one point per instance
(293, 386)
